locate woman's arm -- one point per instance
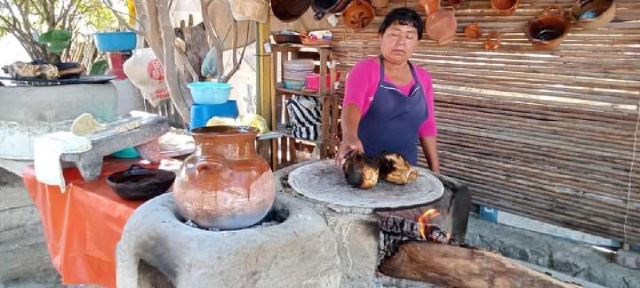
(430, 148)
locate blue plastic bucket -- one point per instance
(115, 41)
(210, 92)
(201, 113)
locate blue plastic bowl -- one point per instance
(115, 41)
(201, 113)
(210, 92)
(127, 153)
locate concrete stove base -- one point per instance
(156, 249)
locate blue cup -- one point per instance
(201, 113)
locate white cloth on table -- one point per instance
(47, 150)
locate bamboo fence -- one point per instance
(544, 134)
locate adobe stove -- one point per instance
(320, 233)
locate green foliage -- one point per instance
(99, 67)
(55, 40)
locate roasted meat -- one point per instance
(395, 169)
(360, 171)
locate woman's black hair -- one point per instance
(402, 16)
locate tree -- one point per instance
(27, 20)
(155, 27)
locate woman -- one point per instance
(388, 104)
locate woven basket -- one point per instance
(255, 10)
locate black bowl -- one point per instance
(139, 183)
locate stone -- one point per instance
(324, 182)
(109, 140)
(628, 259)
(569, 257)
(183, 256)
(349, 212)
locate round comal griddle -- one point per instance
(323, 181)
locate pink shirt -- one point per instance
(362, 83)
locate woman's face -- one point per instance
(398, 42)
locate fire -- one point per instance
(424, 221)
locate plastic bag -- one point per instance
(146, 72)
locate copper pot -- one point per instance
(224, 184)
(473, 31)
(593, 14)
(505, 7)
(493, 40)
(359, 14)
(324, 7)
(441, 26)
(547, 31)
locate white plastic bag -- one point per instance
(146, 72)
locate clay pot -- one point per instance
(289, 11)
(473, 31)
(456, 3)
(359, 14)
(441, 26)
(493, 40)
(380, 3)
(430, 6)
(505, 7)
(547, 31)
(593, 14)
(324, 7)
(224, 184)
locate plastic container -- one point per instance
(210, 92)
(313, 81)
(127, 153)
(115, 41)
(293, 85)
(201, 113)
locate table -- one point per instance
(83, 225)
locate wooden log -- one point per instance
(452, 266)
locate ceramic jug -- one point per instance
(224, 184)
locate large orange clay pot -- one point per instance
(441, 26)
(224, 184)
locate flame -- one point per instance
(424, 221)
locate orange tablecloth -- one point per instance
(83, 225)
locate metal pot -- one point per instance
(324, 7)
(289, 11)
(593, 14)
(548, 30)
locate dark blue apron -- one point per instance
(392, 121)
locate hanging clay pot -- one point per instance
(593, 14)
(430, 6)
(324, 7)
(359, 14)
(380, 3)
(548, 30)
(225, 184)
(493, 40)
(473, 31)
(289, 11)
(505, 7)
(441, 26)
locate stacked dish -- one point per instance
(295, 73)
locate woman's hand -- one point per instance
(348, 145)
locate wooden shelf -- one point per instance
(281, 89)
